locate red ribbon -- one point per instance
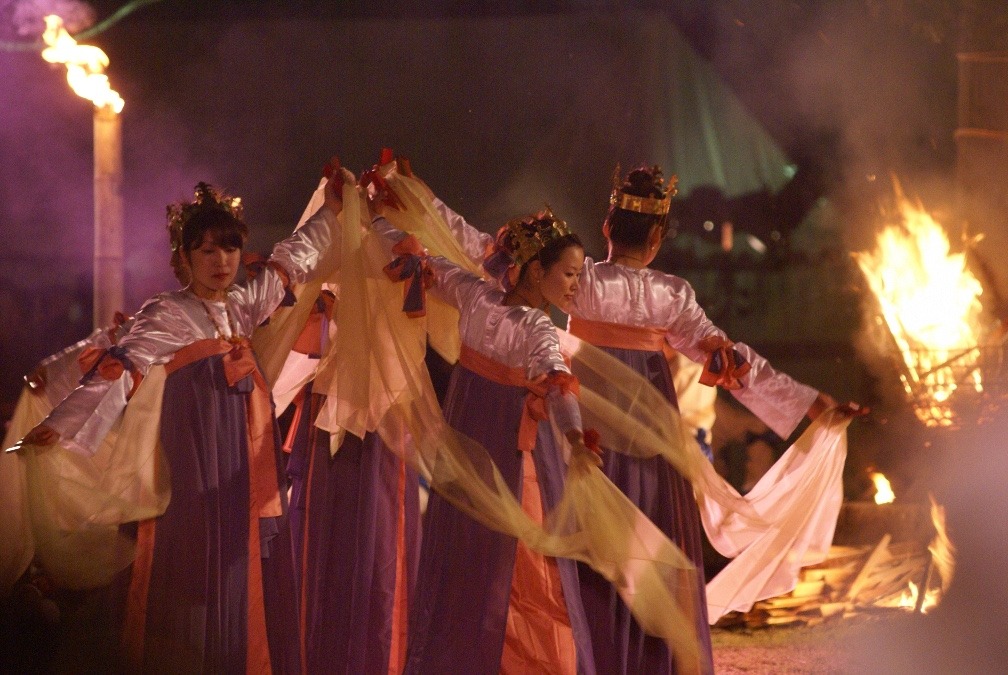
(108, 366)
(412, 267)
(535, 405)
(724, 365)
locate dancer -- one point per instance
(635, 314)
(211, 587)
(632, 312)
(355, 522)
(484, 604)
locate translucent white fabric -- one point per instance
(788, 521)
(60, 374)
(799, 500)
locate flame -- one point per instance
(910, 596)
(883, 491)
(931, 305)
(85, 65)
(942, 559)
(941, 547)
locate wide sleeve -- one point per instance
(452, 284)
(476, 243)
(85, 416)
(546, 359)
(778, 400)
(294, 260)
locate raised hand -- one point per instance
(40, 435)
(336, 177)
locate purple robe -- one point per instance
(348, 508)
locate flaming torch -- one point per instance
(930, 305)
(85, 72)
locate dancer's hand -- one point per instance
(41, 435)
(336, 177)
(580, 452)
(826, 402)
(377, 200)
(36, 380)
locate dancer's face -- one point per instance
(559, 283)
(212, 268)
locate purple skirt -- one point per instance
(459, 618)
(664, 496)
(197, 595)
(348, 508)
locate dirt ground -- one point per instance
(785, 650)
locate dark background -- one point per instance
(502, 106)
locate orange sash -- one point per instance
(617, 336)
(535, 401)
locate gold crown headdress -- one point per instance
(655, 206)
(522, 238)
(206, 197)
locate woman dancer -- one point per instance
(632, 312)
(635, 313)
(211, 588)
(355, 524)
(484, 604)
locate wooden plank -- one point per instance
(878, 555)
(808, 589)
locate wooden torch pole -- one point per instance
(108, 216)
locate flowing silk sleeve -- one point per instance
(85, 416)
(476, 243)
(778, 400)
(545, 358)
(299, 256)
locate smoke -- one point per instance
(25, 17)
(965, 633)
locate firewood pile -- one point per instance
(852, 580)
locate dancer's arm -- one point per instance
(85, 416)
(780, 401)
(299, 257)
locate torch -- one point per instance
(85, 73)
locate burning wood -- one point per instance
(856, 580)
(930, 305)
